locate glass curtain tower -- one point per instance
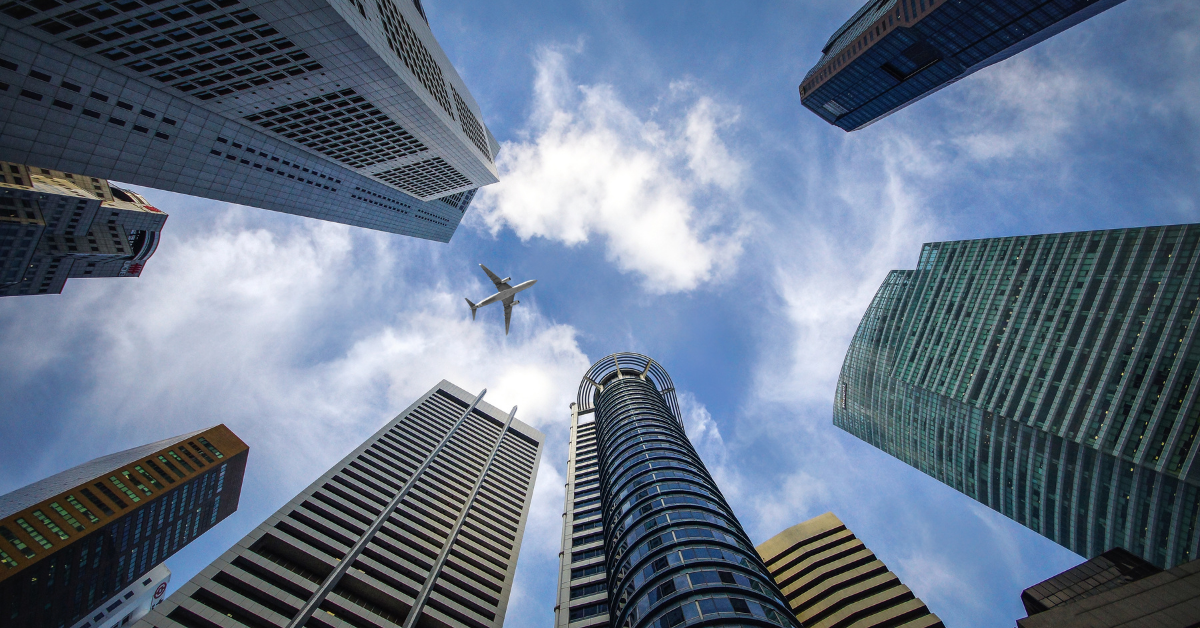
(76, 546)
(892, 53)
(670, 550)
(1050, 377)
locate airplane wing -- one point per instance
(508, 305)
(500, 284)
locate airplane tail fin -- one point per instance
(473, 307)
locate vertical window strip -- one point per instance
(191, 456)
(157, 469)
(124, 489)
(96, 501)
(171, 453)
(67, 516)
(34, 534)
(7, 560)
(16, 542)
(49, 523)
(136, 482)
(174, 469)
(201, 452)
(149, 478)
(82, 510)
(210, 447)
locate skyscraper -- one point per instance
(892, 53)
(1115, 590)
(1050, 377)
(57, 225)
(1112, 569)
(345, 111)
(428, 513)
(131, 603)
(831, 579)
(648, 540)
(76, 538)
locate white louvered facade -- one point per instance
(428, 513)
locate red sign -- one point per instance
(162, 588)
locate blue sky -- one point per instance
(662, 182)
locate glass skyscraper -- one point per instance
(78, 546)
(418, 526)
(892, 53)
(346, 111)
(648, 540)
(1050, 377)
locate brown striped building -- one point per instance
(72, 541)
(831, 580)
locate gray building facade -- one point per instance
(1053, 378)
(582, 585)
(344, 110)
(427, 514)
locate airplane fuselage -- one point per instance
(504, 294)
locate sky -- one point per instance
(661, 181)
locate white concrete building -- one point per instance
(340, 110)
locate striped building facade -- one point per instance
(583, 591)
(1050, 377)
(831, 580)
(72, 542)
(427, 514)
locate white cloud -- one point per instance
(937, 580)
(1024, 106)
(662, 196)
(874, 222)
(701, 429)
(303, 339)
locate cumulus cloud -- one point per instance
(303, 338)
(662, 195)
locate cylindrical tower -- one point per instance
(675, 554)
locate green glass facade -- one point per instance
(1050, 377)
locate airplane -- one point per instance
(504, 293)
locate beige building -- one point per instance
(56, 226)
(831, 579)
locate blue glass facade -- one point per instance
(894, 52)
(675, 553)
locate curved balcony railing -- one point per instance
(675, 554)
